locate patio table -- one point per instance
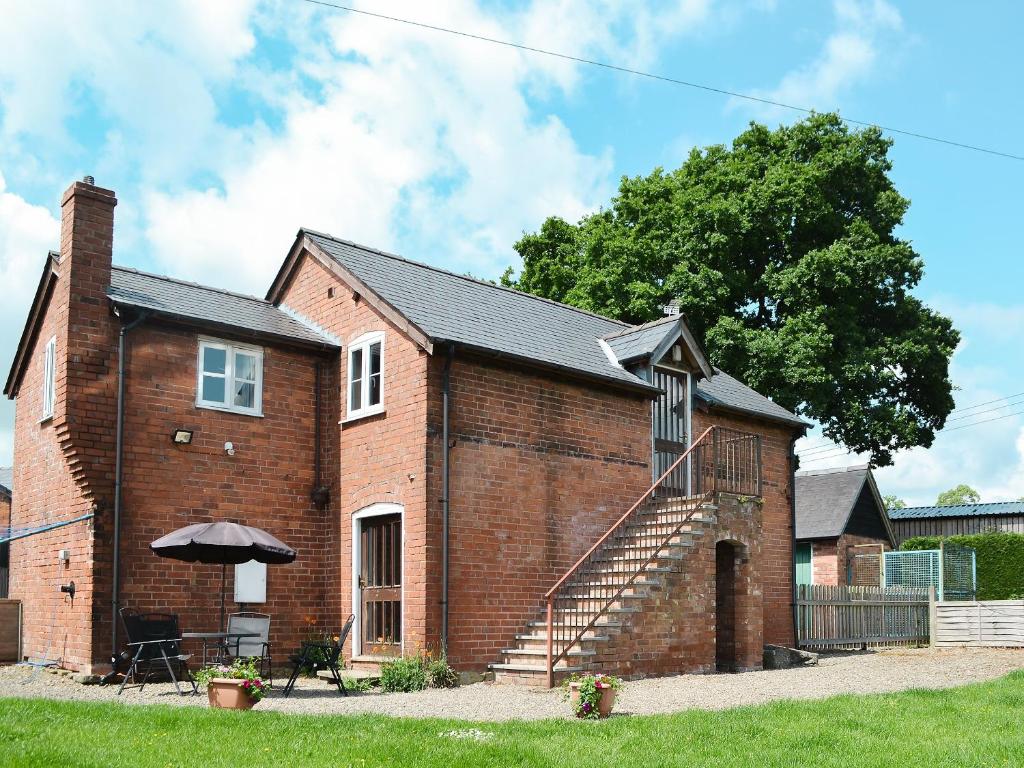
(220, 637)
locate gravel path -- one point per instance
(867, 672)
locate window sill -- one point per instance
(46, 419)
(226, 409)
(360, 415)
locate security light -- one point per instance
(182, 436)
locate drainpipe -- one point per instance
(792, 547)
(115, 603)
(445, 491)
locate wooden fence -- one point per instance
(850, 617)
(10, 630)
(987, 623)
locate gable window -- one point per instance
(366, 375)
(230, 377)
(49, 378)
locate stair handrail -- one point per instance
(550, 595)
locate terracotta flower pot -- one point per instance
(604, 704)
(228, 694)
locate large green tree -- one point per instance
(782, 252)
(962, 494)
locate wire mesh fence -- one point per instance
(951, 569)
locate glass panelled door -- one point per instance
(380, 585)
(669, 417)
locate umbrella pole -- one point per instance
(223, 587)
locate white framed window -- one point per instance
(230, 377)
(366, 375)
(49, 378)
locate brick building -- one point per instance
(841, 527)
(440, 451)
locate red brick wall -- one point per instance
(540, 469)
(63, 466)
(830, 559)
(775, 572)
(266, 483)
(824, 563)
(380, 459)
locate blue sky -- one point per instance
(225, 127)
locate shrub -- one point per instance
(440, 673)
(403, 675)
(1000, 560)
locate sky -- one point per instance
(224, 127)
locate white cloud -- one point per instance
(27, 232)
(847, 57)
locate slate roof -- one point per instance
(640, 341)
(824, 500)
(6, 480)
(190, 301)
(454, 308)
(728, 392)
(991, 509)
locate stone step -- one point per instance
(539, 669)
(604, 622)
(351, 675)
(605, 591)
(531, 638)
(531, 653)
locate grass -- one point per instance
(978, 725)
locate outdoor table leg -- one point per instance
(131, 669)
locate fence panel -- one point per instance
(985, 623)
(10, 630)
(845, 616)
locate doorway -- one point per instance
(377, 566)
(727, 561)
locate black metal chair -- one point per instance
(252, 647)
(154, 641)
(325, 653)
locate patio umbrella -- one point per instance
(224, 543)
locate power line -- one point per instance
(652, 76)
(830, 445)
(845, 451)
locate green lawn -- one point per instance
(980, 725)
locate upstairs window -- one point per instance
(230, 377)
(49, 377)
(366, 375)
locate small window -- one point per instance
(366, 375)
(230, 377)
(49, 378)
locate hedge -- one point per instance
(1000, 560)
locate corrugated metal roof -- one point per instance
(728, 392)
(990, 509)
(824, 499)
(191, 301)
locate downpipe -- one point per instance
(115, 602)
(793, 461)
(445, 490)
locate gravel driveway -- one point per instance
(866, 672)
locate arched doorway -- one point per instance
(727, 565)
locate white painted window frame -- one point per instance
(374, 510)
(49, 378)
(363, 343)
(231, 349)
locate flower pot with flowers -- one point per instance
(238, 686)
(591, 696)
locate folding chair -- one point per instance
(251, 647)
(331, 652)
(155, 643)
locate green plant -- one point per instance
(439, 672)
(403, 675)
(243, 670)
(1000, 560)
(590, 687)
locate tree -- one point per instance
(781, 251)
(962, 494)
(894, 502)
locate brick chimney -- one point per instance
(87, 342)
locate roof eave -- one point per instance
(236, 330)
(35, 317)
(795, 423)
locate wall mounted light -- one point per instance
(229, 448)
(182, 436)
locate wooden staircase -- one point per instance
(677, 521)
